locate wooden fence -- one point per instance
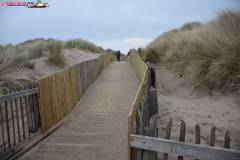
(19, 118)
(60, 92)
(143, 136)
(185, 149)
(140, 69)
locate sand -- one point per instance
(43, 69)
(176, 99)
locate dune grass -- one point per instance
(208, 55)
(10, 58)
(16, 56)
(82, 44)
(55, 53)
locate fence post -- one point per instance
(182, 136)
(168, 133)
(6, 114)
(153, 103)
(153, 77)
(198, 140)
(212, 139)
(227, 140)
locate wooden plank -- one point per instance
(182, 136)
(67, 88)
(227, 140)
(72, 87)
(13, 124)
(1, 114)
(129, 131)
(88, 74)
(19, 146)
(198, 134)
(168, 133)
(41, 100)
(51, 118)
(84, 76)
(212, 138)
(77, 79)
(12, 96)
(183, 148)
(22, 115)
(48, 109)
(35, 111)
(91, 71)
(26, 101)
(6, 114)
(60, 96)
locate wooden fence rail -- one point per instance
(183, 148)
(147, 142)
(60, 92)
(20, 112)
(140, 69)
(19, 118)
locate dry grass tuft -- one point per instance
(30, 65)
(55, 49)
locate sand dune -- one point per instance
(176, 99)
(43, 69)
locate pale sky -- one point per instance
(119, 25)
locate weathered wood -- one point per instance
(153, 103)
(6, 114)
(34, 112)
(12, 117)
(17, 95)
(31, 111)
(212, 137)
(17, 116)
(41, 100)
(169, 126)
(168, 133)
(26, 101)
(153, 77)
(182, 136)
(137, 113)
(227, 140)
(22, 116)
(18, 147)
(198, 134)
(38, 105)
(3, 139)
(184, 149)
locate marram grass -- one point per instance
(208, 55)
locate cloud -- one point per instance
(124, 45)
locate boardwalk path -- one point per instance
(98, 128)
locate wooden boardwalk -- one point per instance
(98, 127)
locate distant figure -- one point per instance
(128, 56)
(118, 56)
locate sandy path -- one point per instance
(176, 99)
(98, 128)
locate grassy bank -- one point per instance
(12, 57)
(207, 55)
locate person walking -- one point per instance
(118, 56)
(128, 56)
